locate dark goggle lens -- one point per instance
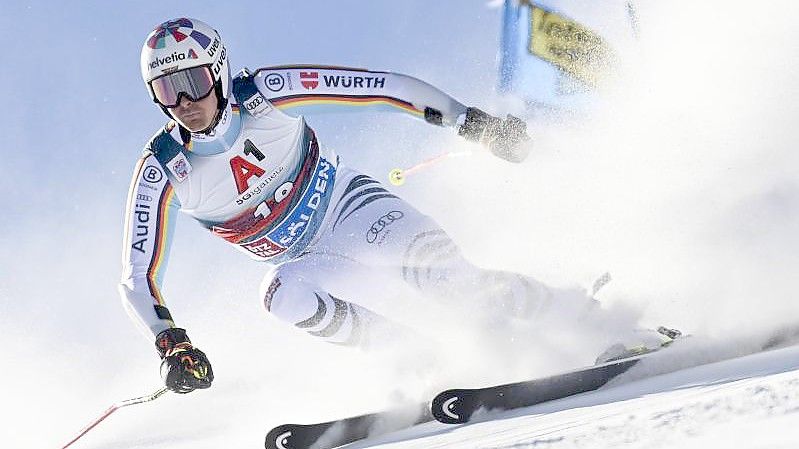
(195, 83)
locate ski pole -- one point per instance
(155, 395)
(398, 175)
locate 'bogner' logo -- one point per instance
(173, 58)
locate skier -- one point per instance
(237, 157)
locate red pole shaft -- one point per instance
(155, 395)
(86, 429)
(433, 160)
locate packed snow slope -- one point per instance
(750, 402)
(681, 182)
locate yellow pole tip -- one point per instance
(396, 177)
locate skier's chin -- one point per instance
(194, 124)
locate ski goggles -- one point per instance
(195, 83)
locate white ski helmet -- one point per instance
(178, 45)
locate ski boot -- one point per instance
(644, 341)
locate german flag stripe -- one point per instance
(352, 100)
(158, 261)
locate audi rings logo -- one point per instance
(153, 174)
(251, 105)
(381, 224)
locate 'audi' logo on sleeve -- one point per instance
(381, 224)
(250, 105)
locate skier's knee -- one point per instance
(280, 284)
(310, 309)
(280, 290)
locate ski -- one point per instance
(331, 434)
(456, 406)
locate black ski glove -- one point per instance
(184, 368)
(506, 138)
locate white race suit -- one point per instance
(262, 181)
